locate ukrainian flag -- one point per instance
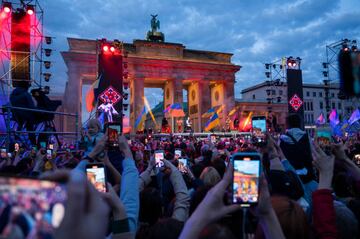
(213, 122)
(139, 123)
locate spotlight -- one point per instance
(47, 64)
(325, 65)
(268, 91)
(125, 96)
(125, 106)
(281, 66)
(345, 47)
(6, 7)
(47, 52)
(325, 73)
(112, 49)
(30, 9)
(274, 66)
(47, 76)
(105, 48)
(267, 66)
(48, 40)
(354, 48)
(267, 74)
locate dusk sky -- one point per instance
(255, 31)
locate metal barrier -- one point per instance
(8, 111)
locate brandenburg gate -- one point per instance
(208, 77)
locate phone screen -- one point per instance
(96, 175)
(213, 139)
(182, 164)
(114, 130)
(39, 201)
(259, 125)
(246, 179)
(51, 146)
(159, 159)
(48, 154)
(17, 147)
(357, 159)
(43, 145)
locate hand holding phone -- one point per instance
(245, 186)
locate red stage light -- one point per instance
(7, 9)
(105, 48)
(30, 12)
(112, 49)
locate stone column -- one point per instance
(72, 97)
(136, 99)
(204, 101)
(229, 98)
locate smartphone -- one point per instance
(49, 154)
(95, 173)
(177, 153)
(43, 145)
(357, 159)
(51, 146)
(182, 164)
(324, 136)
(246, 175)
(259, 125)
(40, 201)
(114, 131)
(159, 158)
(17, 147)
(3, 153)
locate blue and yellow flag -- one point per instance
(139, 123)
(213, 122)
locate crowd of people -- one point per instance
(306, 189)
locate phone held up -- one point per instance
(246, 178)
(95, 173)
(114, 131)
(159, 159)
(16, 192)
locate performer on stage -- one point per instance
(188, 124)
(165, 127)
(107, 110)
(179, 124)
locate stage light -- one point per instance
(6, 7)
(345, 47)
(325, 73)
(267, 66)
(48, 40)
(105, 48)
(47, 52)
(47, 76)
(112, 49)
(268, 91)
(274, 66)
(125, 106)
(325, 65)
(47, 64)
(30, 9)
(125, 96)
(267, 74)
(354, 48)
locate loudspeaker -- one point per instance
(295, 93)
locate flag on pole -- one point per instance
(175, 110)
(321, 119)
(355, 116)
(334, 118)
(90, 96)
(213, 122)
(139, 123)
(208, 113)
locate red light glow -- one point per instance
(105, 48)
(112, 49)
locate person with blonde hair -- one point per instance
(210, 176)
